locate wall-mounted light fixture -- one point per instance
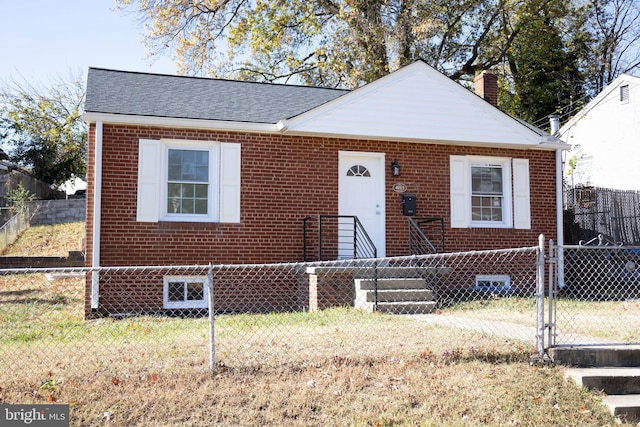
(395, 168)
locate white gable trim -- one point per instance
(416, 103)
(613, 85)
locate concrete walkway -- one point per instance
(495, 327)
(500, 328)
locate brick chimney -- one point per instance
(486, 87)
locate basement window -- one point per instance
(185, 292)
(494, 284)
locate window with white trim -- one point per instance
(185, 292)
(194, 181)
(493, 283)
(189, 184)
(489, 192)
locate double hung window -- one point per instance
(191, 181)
(489, 192)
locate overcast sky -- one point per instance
(42, 39)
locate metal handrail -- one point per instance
(345, 226)
(419, 243)
(361, 236)
(334, 232)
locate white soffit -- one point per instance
(415, 103)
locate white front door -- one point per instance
(361, 194)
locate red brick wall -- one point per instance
(486, 87)
(284, 179)
(258, 290)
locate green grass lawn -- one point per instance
(334, 367)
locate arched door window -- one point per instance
(358, 170)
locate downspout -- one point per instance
(554, 125)
(559, 219)
(97, 203)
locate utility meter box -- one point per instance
(408, 204)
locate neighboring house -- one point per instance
(605, 136)
(194, 171)
(74, 187)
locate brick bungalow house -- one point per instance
(187, 170)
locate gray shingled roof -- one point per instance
(156, 95)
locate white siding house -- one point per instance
(605, 138)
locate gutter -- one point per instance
(126, 119)
(554, 124)
(559, 219)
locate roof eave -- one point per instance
(173, 122)
(541, 143)
(544, 143)
(554, 144)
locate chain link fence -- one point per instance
(12, 229)
(123, 321)
(598, 300)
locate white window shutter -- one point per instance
(460, 192)
(149, 168)
(229, 182)
(521, 194)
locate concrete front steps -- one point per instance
(404, 295)
(612, 370)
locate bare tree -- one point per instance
(615, 31)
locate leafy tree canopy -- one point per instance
(581, 44)
(42, 128)
(542, 72)
(330, 42)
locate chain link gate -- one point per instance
(592, 295)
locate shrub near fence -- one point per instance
(265, 316)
